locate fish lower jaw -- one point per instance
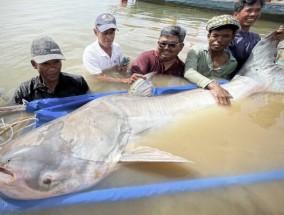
(5, 172)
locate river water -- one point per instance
(245, 138)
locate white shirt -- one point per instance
(96, 59)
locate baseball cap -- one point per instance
(218, 21)
(44, 48)
(105, 21)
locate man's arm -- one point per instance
(22, 92)
(129, 80)
(84, 87)
(92, 64)
(191, 73)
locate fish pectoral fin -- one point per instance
(142, 87)
(148, 154)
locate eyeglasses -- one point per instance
(170, 45)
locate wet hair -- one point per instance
(242, 3)
(234, 28)
(174, 30)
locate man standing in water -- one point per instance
(248, 12)
(51, 82)
(213, 61)
(164, 59)
(105, 54)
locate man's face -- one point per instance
(248, 15)
(49, 70)
(105, 38)
(168, 48)
(219, 39)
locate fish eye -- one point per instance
(47, 180)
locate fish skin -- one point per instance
(76, 151)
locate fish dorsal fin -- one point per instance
(148, 154)
(142, 87)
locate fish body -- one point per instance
(76, 151)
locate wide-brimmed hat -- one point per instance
(218, 21)
(44, 48)
(105, 21)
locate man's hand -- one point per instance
(122, 66)
(221, 95)
(279, 34)
(134, 77)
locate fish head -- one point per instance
(41, 171)
(59, 158)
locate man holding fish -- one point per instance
(164, 59)
(104, 55)
(248, 12)
(213, 61)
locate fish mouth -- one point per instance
(6, 171)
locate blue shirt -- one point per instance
(242, 46)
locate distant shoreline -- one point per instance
(273, 10)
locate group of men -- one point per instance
(229, 45)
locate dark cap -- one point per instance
(218, 21)
(105, 21)
(44, 48)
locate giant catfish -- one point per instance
(74, 152)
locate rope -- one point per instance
(6, 128)
(13, 108)
(9, 126)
